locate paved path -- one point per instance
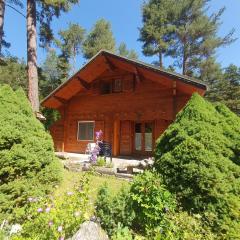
(80, 158)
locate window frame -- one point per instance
(114, 84)
(88, 140)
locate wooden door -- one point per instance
(125, 138)
(143, 138)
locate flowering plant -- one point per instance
(95, 152)
(56, 217)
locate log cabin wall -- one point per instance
(115, 113)
(57, 131)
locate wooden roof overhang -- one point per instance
(105, 60)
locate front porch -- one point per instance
(124, 164)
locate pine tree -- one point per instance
(71, 41)
(41, 11)
(100, 37)
(3, 5)
(123, 51)
(15, 68)
(51, 73)
(230, 89)
(182, 30)
(2, 13)
(158, 18)
(211, 73)
(195, 36)
(223, 84)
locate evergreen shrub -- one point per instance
(28, 167)
(198, 158)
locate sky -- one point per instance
(125, 17)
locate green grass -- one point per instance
(96, 181)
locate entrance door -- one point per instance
(125, 138)
(143, 138)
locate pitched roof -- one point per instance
(101, 61)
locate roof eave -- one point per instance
(176, 76)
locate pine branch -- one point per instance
(16, 10)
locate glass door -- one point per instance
(143, 137)
(148, 136)
(138, 136)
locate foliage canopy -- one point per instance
(101, 37)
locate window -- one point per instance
(85, 131)
(117, 85)
(105, 87)
(111, 86)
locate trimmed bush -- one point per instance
(198, 158)
(28, 167)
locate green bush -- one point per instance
(51, 115)
(28, 167)
(114, 210)
(122, 233)
(151, 202)
(101, 162)
(56, 217)
(198, 158)
(182, 226)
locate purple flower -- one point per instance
(50, 223)
(94, 158)
(30, 199)
(69, 193)
(47, 209)
(60, 228)
(95, 151)
(39, 210)
(99, 134)
(61, 238)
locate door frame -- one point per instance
(142, 151)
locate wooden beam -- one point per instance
(116, 137)
(174, 88)
(61, 100)
(111, 66)
(65, 128)
(85, 84)
(174, 99)
(139, 76)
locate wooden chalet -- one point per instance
(130, 101)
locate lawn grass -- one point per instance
(95, 182)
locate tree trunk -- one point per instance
(160, 59)
(32, 55)
(2, 12)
